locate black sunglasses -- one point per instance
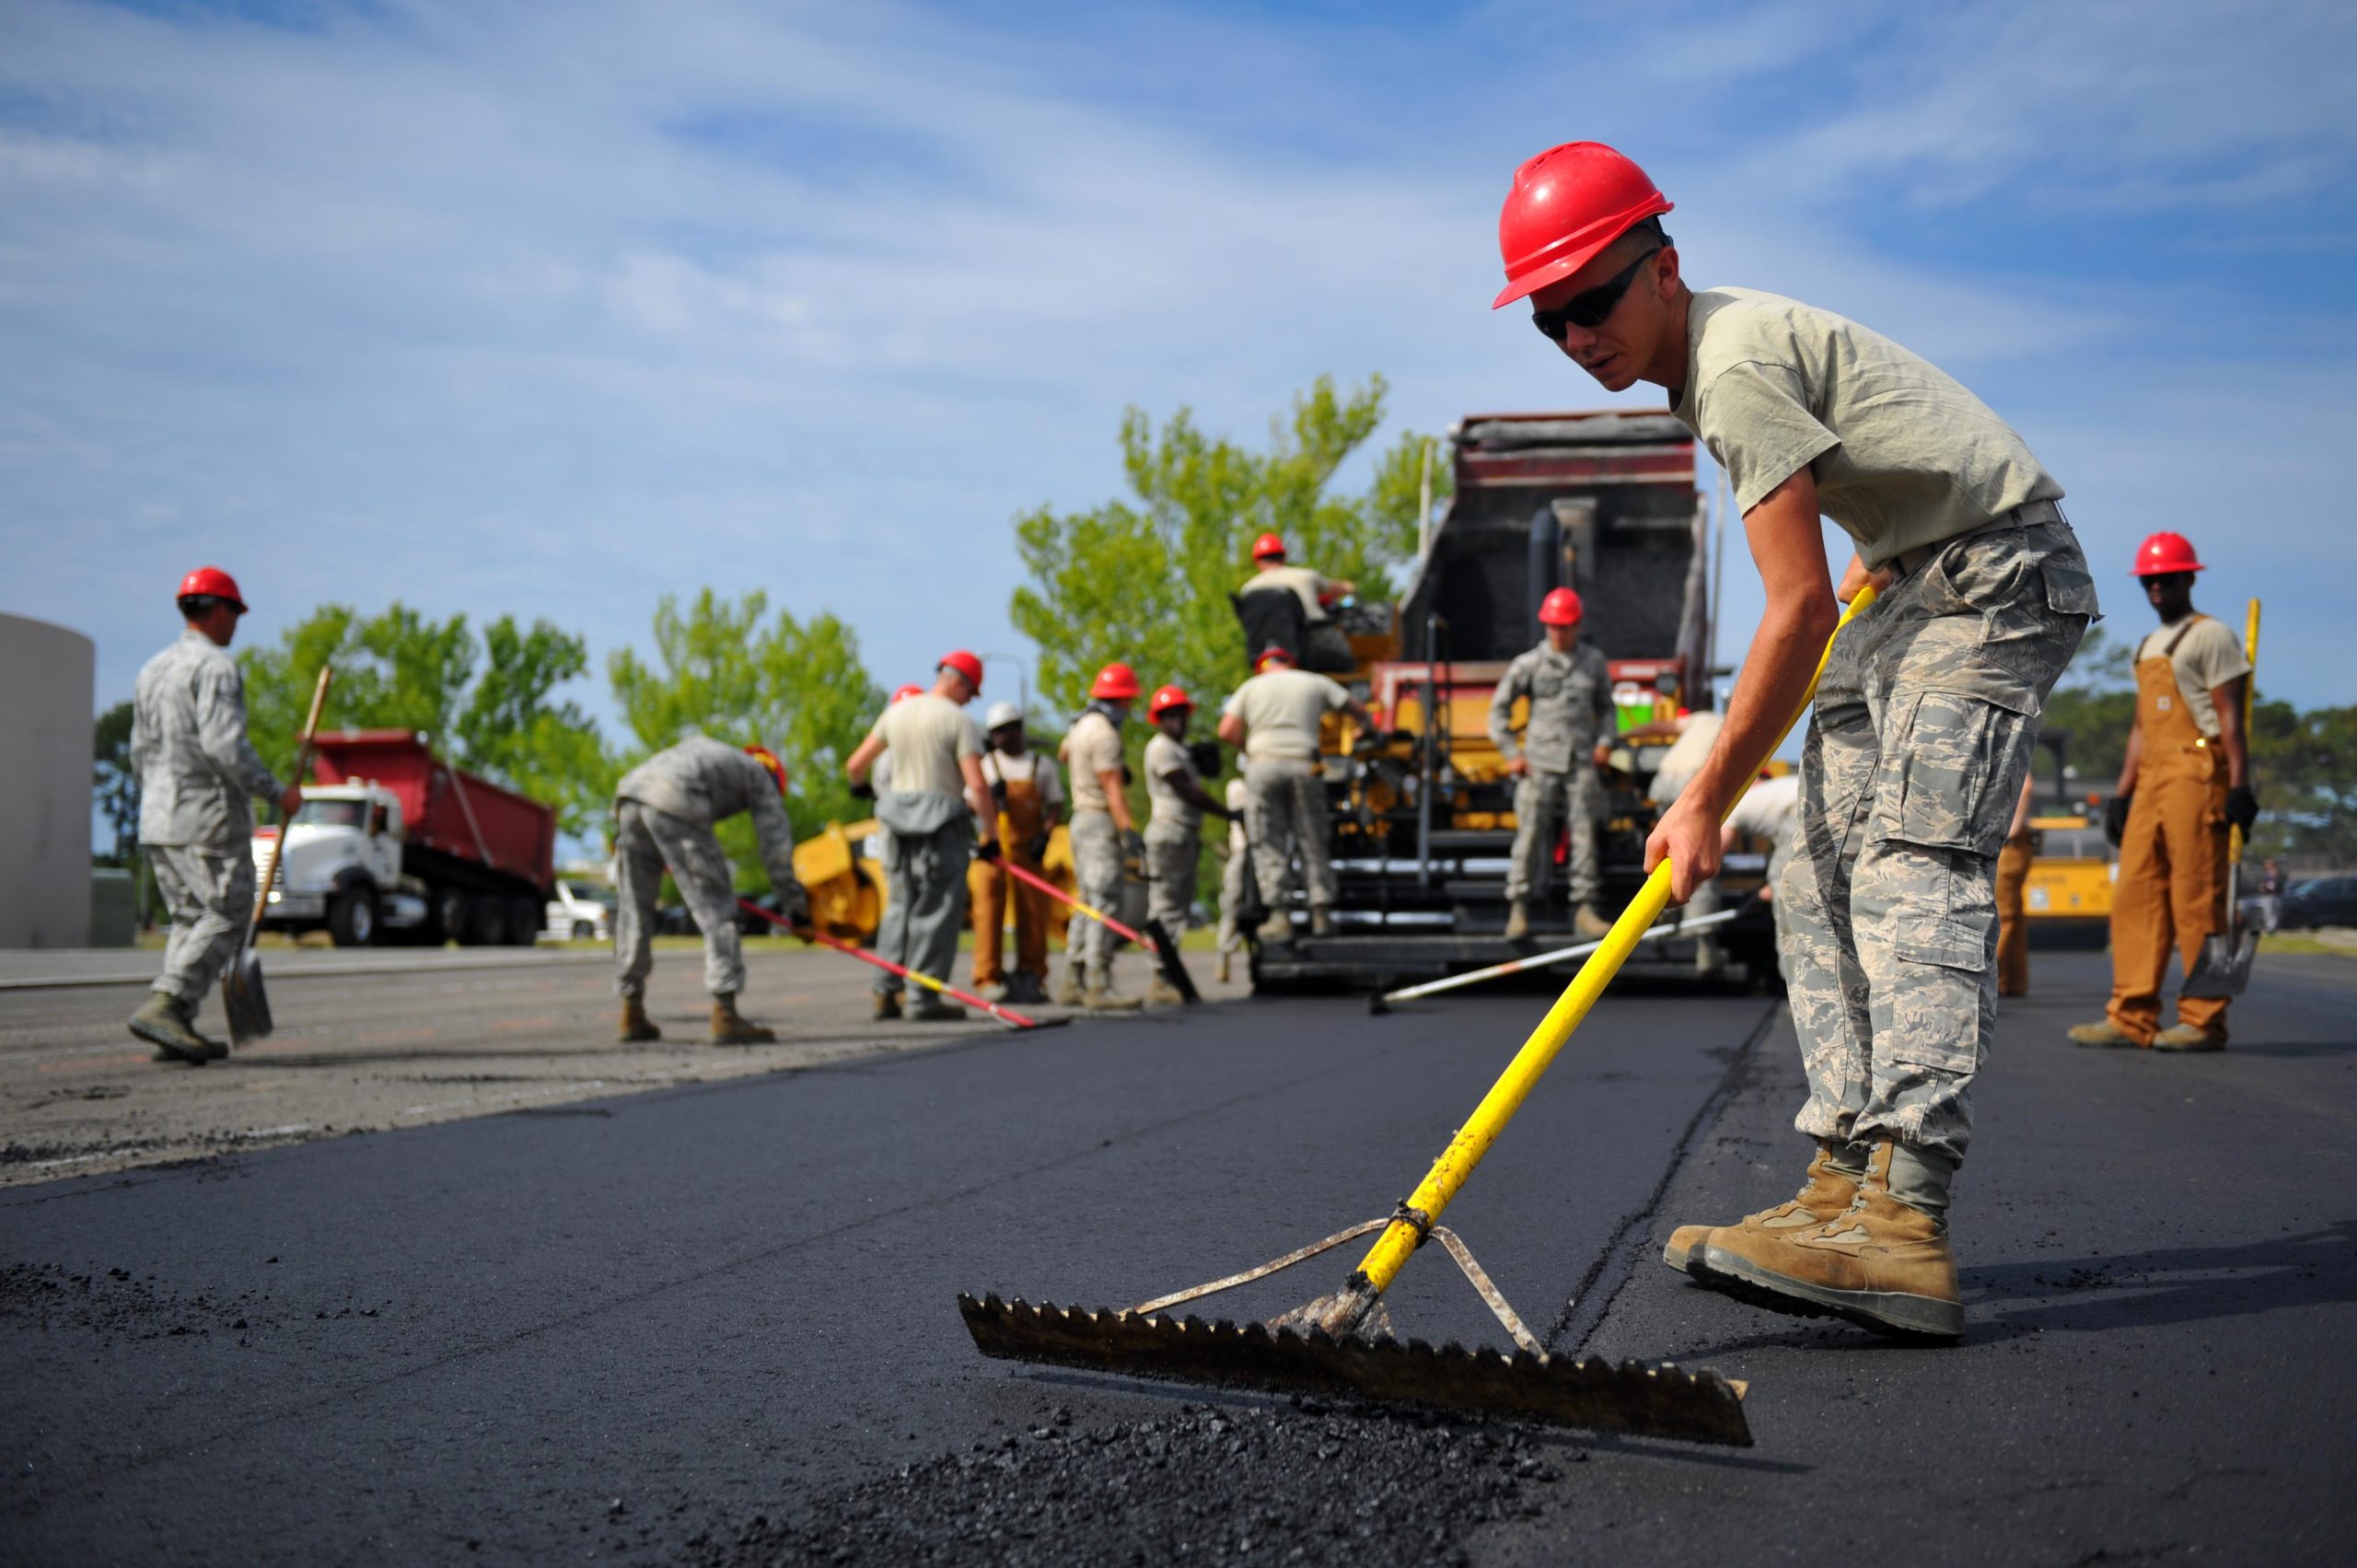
(1590, 306)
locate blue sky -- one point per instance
(550, 308)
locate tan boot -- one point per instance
(164, 1023)
(1160, 993)
(730, 1026)
(2185, 1037)
(2103, 1034)
(1517, 921)
(1100, 996)
(1068, 991)
(636, 1025)
(1278, 927)
(1220, 970)
(1321, 921)
(1826, 1194)
(1884, 1264)
(1587, 924)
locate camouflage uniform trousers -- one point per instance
(1172, 854)
(1231, 899)
(1544, 799)
(1284, 812)
(1097, 870)
(1924, 722)
(645, 840)
(210, 892)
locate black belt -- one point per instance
(2029, 513)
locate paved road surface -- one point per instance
(612, 1329)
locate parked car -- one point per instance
(2320, 901)
(579, 912)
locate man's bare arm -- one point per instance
(1117, 798)
(1231, 729)
(1788, 544)
(863, 758)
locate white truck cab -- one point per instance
(342, 866)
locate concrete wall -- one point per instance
(48, 684)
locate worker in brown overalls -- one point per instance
(1030, 801)
(2013, 883)
(2184, 781)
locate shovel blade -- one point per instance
(2223, 971)
(244, 999)
(1174, 969)
(1643, 1399)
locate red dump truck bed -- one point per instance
(446, 809)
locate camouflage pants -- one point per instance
(1286, 812)
(645, 840)
(1097, 871)
(1171, 853)
(210, 892)
(1924, 725)
(1231, 899)
(1542, 801)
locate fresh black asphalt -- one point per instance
(632, 1328)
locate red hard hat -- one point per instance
(1273, 653)
(964, 664)
(1267, 545)
(213, 582)
(905, 692)
(1567, 205)
(769, 759)
(1115, 683)
(1560, 608)
(2164, 552)
(1168, 697)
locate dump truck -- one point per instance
(392, 844)
(1605, 503)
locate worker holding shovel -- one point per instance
(197, 774)
(1922, 727)
(1102, 837)
(1173, 834)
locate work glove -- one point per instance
(2115, 817)
(794, 903)
(987, 849)
(1035, 847)
(2242, 808)
(862, 791)
(1134, 852)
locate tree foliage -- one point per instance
(115, 784)
(731, 670)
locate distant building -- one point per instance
(48, 683)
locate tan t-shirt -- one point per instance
(1301, 581)
(924, 737)
(1092, 747)
(1686, 755)
(1164, 757)
(2210, 655)
(1902, 454)
(1280, 711)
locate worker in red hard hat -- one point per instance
(1566, 691)
(1174, 831)
(1888, 900)
(1103, 835)
(198, 772)
(937, 815)
(2183, 784)
(1322, 646)
(665, 811)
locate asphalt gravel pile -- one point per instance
(1302, 1483)
(113, 1305)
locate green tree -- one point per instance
(2091, 710)
(116, 783)
(731, 670)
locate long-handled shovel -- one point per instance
(1380, 1004)
(1154, 939)
(1341, 1343)
(2222, 969)
(1006, 1016)
(243, 1000)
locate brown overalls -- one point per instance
(2172, 858)
(1022, 813)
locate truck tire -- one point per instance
(525, 916)
(352, 918)
(447, 920)
(486, 922)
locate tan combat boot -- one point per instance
(2103, 1034)
(1278, 927)
(2186, 1036)
(636, 1025)
(1068, 992)
(1884, 1264)
(164, 1023)
(1321, 921)
(1160, 993)
(730, 1026)
(1588, 923)
(1100, 996)
(1827, 1193)
(1517, 921)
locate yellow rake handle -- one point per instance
(1449, 1173)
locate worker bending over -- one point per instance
(937, 813)
(2012, 887)
(2184, 781)
(1103, 838)
(1030, 801)
(1923, 721)
(1324, 647)
(664, 813)
(197, 774)
(1174, 830)
(1274, 717)
(1569, 690)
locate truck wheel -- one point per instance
(583, 931)
(449, 919)
(487, 922)
(352, 918)
(525, 918)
